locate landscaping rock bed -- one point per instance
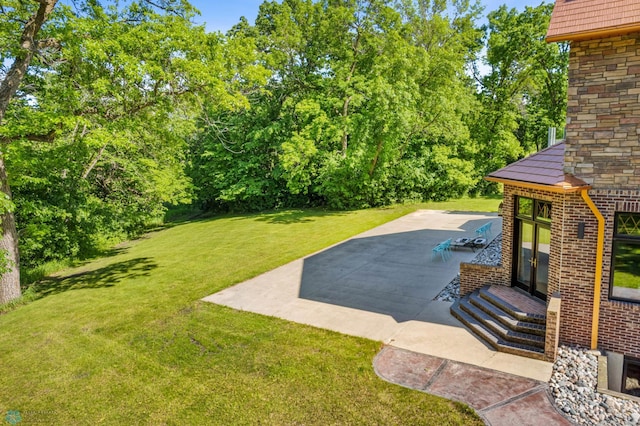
(491, 254)
(573, 386)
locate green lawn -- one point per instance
(124, 339)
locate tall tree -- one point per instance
(21, 53)
(114, 96)
(364, 106)
(524, 90)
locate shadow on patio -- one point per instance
(393, 274)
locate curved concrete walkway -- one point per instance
(501, 399)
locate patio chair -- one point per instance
(484, 230)
(443, 249)
(469, 242)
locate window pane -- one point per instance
(626, 270)
(543, 211)
(525, 207)
(525, 253)
(632, 379)
(542, 267)
(628, 224)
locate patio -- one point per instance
(381, 285)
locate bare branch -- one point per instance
(35, 137)
(94, 161)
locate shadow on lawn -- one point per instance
(107, 276)
(296, 216)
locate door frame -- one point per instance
(536, 213)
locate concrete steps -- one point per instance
(502, 325)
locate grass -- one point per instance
(124, 339)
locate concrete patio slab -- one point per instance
(380, 285)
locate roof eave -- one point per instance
(559, 188)
(593, 34)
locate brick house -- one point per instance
(571, 212)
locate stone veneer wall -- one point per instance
(603, 112)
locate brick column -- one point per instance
(552, 334)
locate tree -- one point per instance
(115, 102)
(21, 53)
(524, 91)
(364, 106)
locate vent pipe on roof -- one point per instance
(551, 136)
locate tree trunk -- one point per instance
(374, 162)
(10, 280)
(345, 105)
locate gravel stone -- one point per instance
(574, 384)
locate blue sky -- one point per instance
(221, 15)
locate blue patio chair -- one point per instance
(447, 247)
(484, 230)
(443, 249)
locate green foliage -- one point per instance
(98, 135)
(345, 104)
(364, 105)
(524, 92)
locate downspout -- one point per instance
(597, 286)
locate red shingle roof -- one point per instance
(544, 168)
(583, 19)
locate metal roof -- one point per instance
(585, 19)
(544, 169)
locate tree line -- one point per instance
(111, 112)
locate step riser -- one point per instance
(501, 325)
(521, 326)
(498, 347)
(522, 338)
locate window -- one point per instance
(525, 207)
(543, 211)
(532, 246)
(631, 376)
(537, 210)
(625, 270)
